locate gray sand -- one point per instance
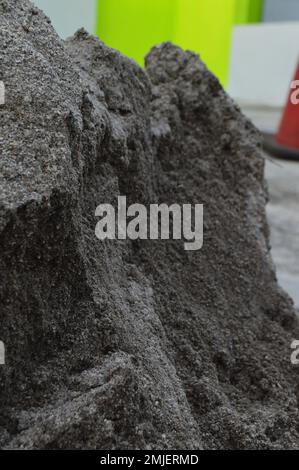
(123, 344)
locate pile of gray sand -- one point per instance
(133, 344)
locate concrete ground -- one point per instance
(283, 216)
(283, 209)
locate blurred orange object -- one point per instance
(288, 134)
(286, 143)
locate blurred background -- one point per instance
(252, 46)
(243, 42)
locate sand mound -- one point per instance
(133, 344)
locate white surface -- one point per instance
(68, 16)
(263, 63)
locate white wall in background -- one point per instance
(263, 63)
(69, 15)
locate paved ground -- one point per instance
(283, 209)
(283, 215)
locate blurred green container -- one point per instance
(204, 26)
(135, 26)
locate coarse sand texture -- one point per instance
(133, 344)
